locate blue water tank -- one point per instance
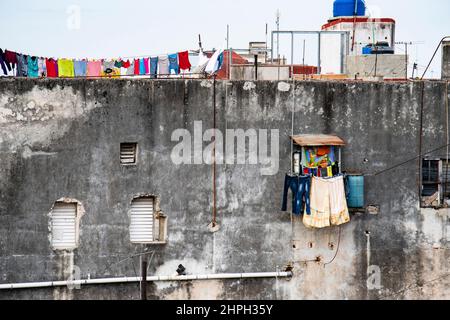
(343, 8)
(355, 191)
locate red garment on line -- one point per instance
(11, 57)
(136, 67)
(52, 68)
(183, 60)
(126, 64)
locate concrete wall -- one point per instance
(446, 60)
(60, 138)
(264, 72)
(389, 66)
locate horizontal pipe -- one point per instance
(216, 276)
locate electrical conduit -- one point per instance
(217, 276)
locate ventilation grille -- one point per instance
(141, 224)
(128, 153)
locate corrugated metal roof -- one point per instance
(311, 140)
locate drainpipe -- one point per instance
(217, 276)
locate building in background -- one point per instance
(368, 38)
(446, 60)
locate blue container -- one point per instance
(356, 192)
(367, 50)
(345, 8)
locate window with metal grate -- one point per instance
(128, 154)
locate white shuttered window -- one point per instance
(63, 222)
(142, 220)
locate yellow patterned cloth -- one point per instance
(328, 203)
(65, 68)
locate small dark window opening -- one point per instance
(128, 153)
(435, 182)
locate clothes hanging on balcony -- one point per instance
(300, 188)
(327, 202)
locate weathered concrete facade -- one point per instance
(60, 138)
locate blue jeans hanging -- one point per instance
(300, 187)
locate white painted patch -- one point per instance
(206, 84)
(248, 85)
(4, 113)
(27, 153)
(283, 86)
(30, 106)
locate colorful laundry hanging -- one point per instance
(11, 58)
(109, 69)
(173, 63)
(42, 67)
(300, 188)
(23, 65)
(153, 66)
(33, 67)
(130, 69)
(65, 68)
(6, 67)
(94, 68)
(215, 62)
(52, 68)
(183, 60)
(328, 203)
(163, 65)
(80, 68)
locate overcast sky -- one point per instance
(112, 28)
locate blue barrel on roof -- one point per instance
(345, 8)
(355, 197)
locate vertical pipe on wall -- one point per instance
(271, 47)
(319, 52)
(143, 282)
(420, 140)
(214, 154)
(447, 138)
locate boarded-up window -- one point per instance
(142, 220)
(63, 226)
(128, 153)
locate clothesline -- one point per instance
(163, 65)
